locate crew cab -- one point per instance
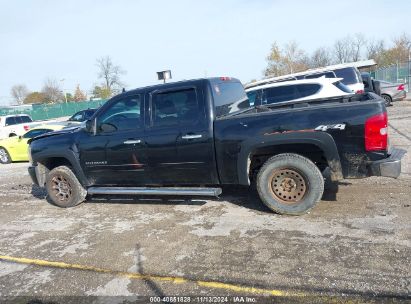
(192, 137)
(15, 125)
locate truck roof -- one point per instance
(167, 85)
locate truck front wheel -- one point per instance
(290, 184)
(63, 188)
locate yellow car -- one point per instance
(16, 148)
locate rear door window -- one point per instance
(173, 108)
(305, 90)
(280, 94)
(290, 92)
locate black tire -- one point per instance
(290, 184)
(388, 99)
(4, 156)
(63, 188)
(12, 134)
(377, 87)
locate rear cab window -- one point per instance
(25, 119)
(229, 96)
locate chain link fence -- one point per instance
(51, 111)
(397, 73)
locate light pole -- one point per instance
(164, 75)
(409, 69)
(62, 85)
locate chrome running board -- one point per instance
(155, 191)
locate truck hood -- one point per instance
(56, 133)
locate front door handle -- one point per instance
(132, 141)
(191, 136)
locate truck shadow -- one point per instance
(242, 196)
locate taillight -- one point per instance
(26, 128)
(401, 87)
(376, 132)
(359, 92)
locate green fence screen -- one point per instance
(50, 111)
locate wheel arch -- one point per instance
(388, 95)
(316, 146)
(47, 163)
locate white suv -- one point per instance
(15, 125)
(348, 72)
(296, 90)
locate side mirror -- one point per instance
(91, 126)
(108, 128)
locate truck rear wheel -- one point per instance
(290, 184)
(63, 188)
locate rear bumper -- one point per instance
(390, 166)
(400, 96)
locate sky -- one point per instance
(59, 40)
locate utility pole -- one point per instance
(62, 85)
(409, 69)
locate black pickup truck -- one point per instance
(192, 137)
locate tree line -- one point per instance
(109, 75)
(290, 58)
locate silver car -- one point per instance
(392, 91)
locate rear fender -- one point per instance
(322, 140)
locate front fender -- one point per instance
(71, 155)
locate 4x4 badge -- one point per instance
(327, 127)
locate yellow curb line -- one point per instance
(137, 276)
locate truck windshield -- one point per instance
(229, 97)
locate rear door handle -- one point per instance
(191, 136)
(132, 141)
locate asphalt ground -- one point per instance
(355, 245)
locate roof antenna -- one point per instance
(124, 90)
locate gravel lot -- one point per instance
(356, 242)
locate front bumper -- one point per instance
(390, 166)
(32, 173)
